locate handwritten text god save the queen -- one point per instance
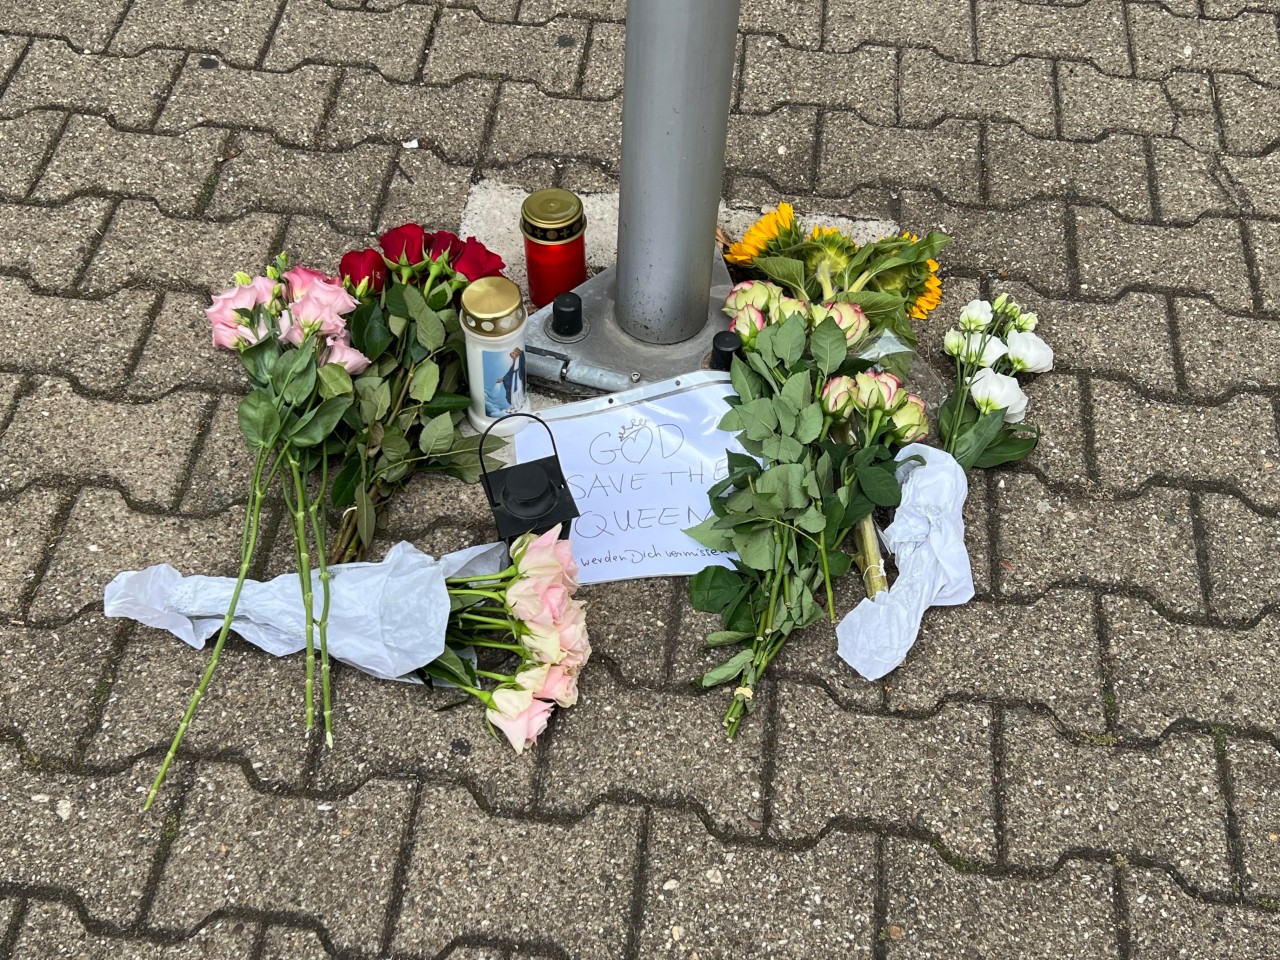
(639, 473)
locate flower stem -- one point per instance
(318, 533)
(870, 559)
(295, 505)
(248, 542)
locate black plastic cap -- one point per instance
(566, 315)
(725, 344)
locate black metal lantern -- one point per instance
(528, 497)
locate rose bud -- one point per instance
(787, 307)
(954, 343)
(364, 271)
(1026, 322)
(837, 397)
(747, 322)
(476, 260)
(910, 424)
(975, 317)
(404, 245)
(750, 293)
(877, 391)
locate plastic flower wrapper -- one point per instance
(983, 422)
(528, 614)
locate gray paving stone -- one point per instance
(1255, 770)
(1093, 30)
(179, 352)
(82, 834)
(1094, 103)
(1265, 243)
(314, 242)
(663, 748)
(939, 911)
(103, 536)
(50, 244)
(799, 22)
(57, 433)
(49, 681)
(1114, 255)
(606, 54)
(1111, 172)
(1192, 97)
(1191, 183)
(1162, 802)
(777, 145)
(977, 534)
(549, 55)
(871, 203)
(85, 24)
(540, 11)
(629, 623)
(932, 775)
(263, 175)
(1030, 246)
(29, 522)
(238, 29)
(1057, 409)
(24, 142)
(1167, 922)
(91, 341)
(1163, 42)
(428, 498)
(233, 846)
(290, 106)
(946, 27)
(933, 89)
(1254, 181)
(220, 475)
(1222, 352)
(470, 876)
(1128, 338)
(254, 707)
(814, 902)
(128, 90)
(1250, 113)
(425, 189)
(357, 37)
(1244, 557)
(383, 728)
(776, 75)
(94, 157)
(449, 118)
(52, 930)
(1186, 442)
(530, 123)
(285, 943)
(143, 246)
(1045, 653)
(856, 154)
(1146, 543)
(1165, 671)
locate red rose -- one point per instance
(446, 244)
(404, 244)
(476, 261)
(358, 265)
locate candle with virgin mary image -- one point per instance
(493, 319)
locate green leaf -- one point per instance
(759, 418)
(787, 480)
(373, 336)
(430, 330)
(425, 380)
(782, 449)
(786, 413)
(366, 516)
(395, 446)
(715, 589)
(809, 423)
(444, 402)
(756, 547)
(334, 381)
(746, 383)
(729, 670)
(437, 435)
(880, 485)
(949, 415)
(723, 638)
(711, 538)
(764, 346)
(375, 398)
(397, 324)
(1008, 447)
(453, 669)
(259, 421)
(812, 520)
(783, 270)
(342, 491)
(828, 346)
(319, 422)
(788, 342)
(731, 422)
(797, 390)
(971, 444)
(260, 359)
(760, 366)
(859, 506)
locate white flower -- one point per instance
(1026, 322)
(994, 391)
(984, 354)
(953, 343)
(975, 316)
(1027, 352)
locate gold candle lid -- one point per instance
(552, 216)
(492, 307)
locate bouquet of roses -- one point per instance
(982, 423)
(526, 614)
(819, 429)
(410, 400)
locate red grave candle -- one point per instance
(555, 248)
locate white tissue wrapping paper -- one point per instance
(386, 618)
(926, 540)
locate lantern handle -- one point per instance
(484, 436)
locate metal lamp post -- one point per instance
(653, 315)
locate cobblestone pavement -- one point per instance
(1080, 763)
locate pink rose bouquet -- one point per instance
(527, 615)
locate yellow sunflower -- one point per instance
(927, 289)
(762, 233)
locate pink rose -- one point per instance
(523, 729)
(543, 641)
(314, 314)
(560, 685)
(300, 279)
(546, 557)
(532, 598)
(563, 550)
(340, 351)
(334, 296)
(290, 332)
(575, 647)
(229, 328)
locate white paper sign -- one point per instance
(639, 464)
